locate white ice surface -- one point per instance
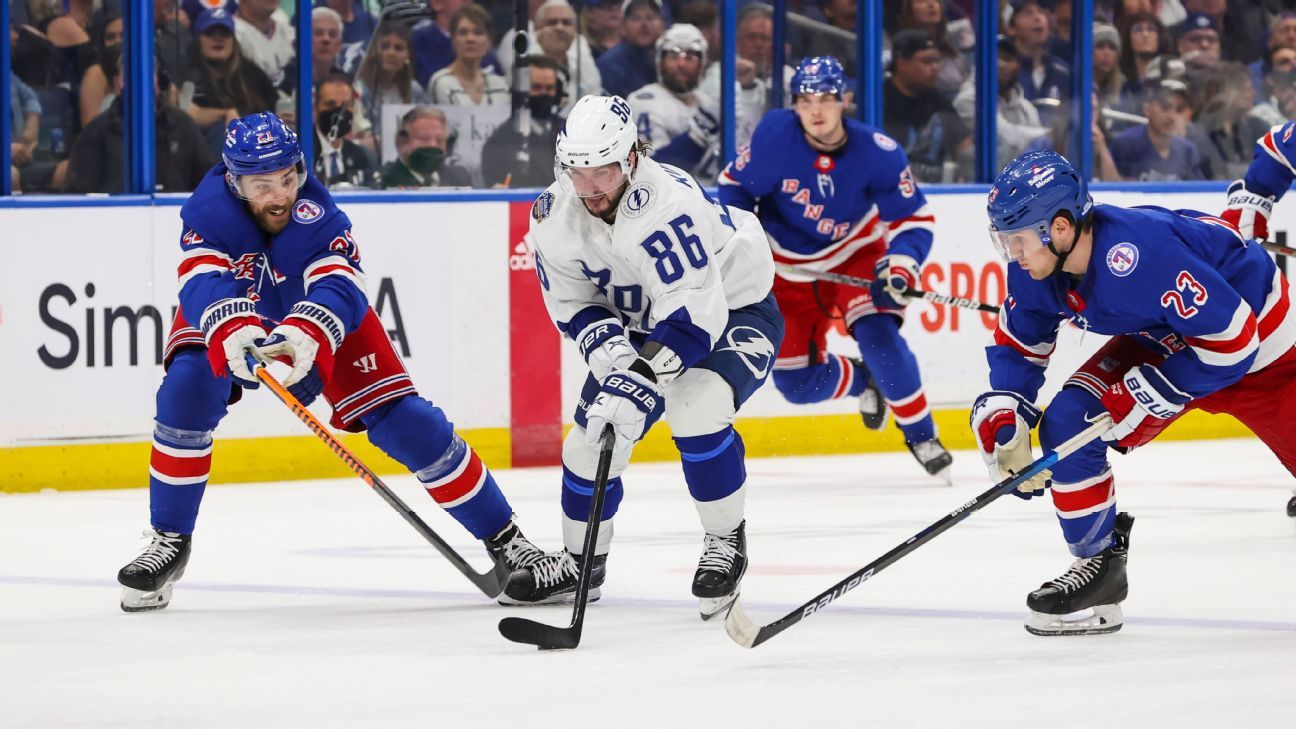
(313, 604)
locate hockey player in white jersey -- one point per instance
(667, 295)
(678, 120)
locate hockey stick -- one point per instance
(863, 283)
(1281, 250)
(492, 583)
(548, 637)
(749, 635)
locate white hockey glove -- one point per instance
(605, 348)
(894, 275)
(1002, 422)
(704, 128)
(230, 326)
(630, 402)
(308, 337)
(1248, 211)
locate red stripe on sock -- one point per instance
(1085, 498)
(462, 484)
(180, 467)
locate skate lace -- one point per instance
(549, 571)
(718, 553)
(520, 553)
(160, 551)
(1081, 573)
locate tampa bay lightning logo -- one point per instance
(307, 211)
(637, 199)
(752, 347)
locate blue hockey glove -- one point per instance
(1002, 422)
(894, 275)
(631, 403)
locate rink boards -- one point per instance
(88, 294)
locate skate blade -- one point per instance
(709, 607)
(1098, 620)
(138, 601)
(875, 423)
(560, 599)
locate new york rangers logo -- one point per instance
(245, 267)
(1122, 258)
(307, 211)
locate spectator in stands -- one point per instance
(1107, 75)
(464, 82)
(386, 74)
(1043, 76)
(1143, 38)
(172, 43)
(1282, 33)
(226, 84)
(96, 91)
(1277, 102)
(1060, 43)
(1058, 139)
(326, 47)
(1018, 123)
(265, 36)
(1158, 151)
(929, 16)
(51, 51)
(509, 159)
(433, 50)
(631, 64)
(98, 161)
(1225, 118)
(24, 114)
(839, 39)
(358, 24)
(1169, 13)
(601, 25)
(755, 45)
(933, 136)
(423, 142)
(1198, 42)
(339, 162)
(553, 34)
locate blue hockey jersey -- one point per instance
(1186, 283)
(225, 255)
(820, 209)
(1274, 166)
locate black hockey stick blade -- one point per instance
(749, 634)
(549, 637)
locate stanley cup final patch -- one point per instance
(541, 207)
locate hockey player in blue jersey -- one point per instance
(1200, 318)
(267, 260)
(1251, 199)
(835, 194)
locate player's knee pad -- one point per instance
(582, 458)
(580, 467)
(699, 402)
(875, 328)
(1068, 414)
(411, 430)
(191, 398)
(715, 471)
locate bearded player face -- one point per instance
(270, 197)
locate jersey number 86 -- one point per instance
(660, 246)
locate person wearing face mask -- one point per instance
(423, 142)
(339, 162)
(509, 160)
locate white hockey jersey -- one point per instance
(672, 255)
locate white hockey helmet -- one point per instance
(598, 132)
(681, 38)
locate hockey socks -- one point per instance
(179, 467)
(836, 378)
(894, 368)
(715, 472)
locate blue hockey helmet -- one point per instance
(1028, 194)
(818, 75)
(259, 144)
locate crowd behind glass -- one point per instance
(418, 93)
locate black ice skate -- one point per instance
(147, 579)
(512, 546)
(872, 406)
(552, 579)
(1291, 507)
(1094, 586)
(933, 457)
(720, 571)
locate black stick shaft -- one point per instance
(863, 283)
